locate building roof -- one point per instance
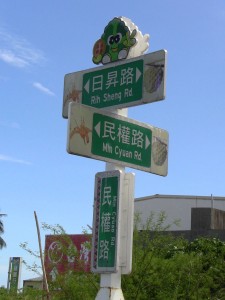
(179, 197)
(40, 278)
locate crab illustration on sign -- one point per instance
(82, 130)
(72, 96)
(120, 35)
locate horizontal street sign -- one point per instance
(122, 84)
(116, 139)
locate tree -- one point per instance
(151, 277)
(70, 285)
(168, 267)
(164, 267)
(2, 242)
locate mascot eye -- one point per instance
(117, 38)
(110, 40)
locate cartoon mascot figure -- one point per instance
(115, 43)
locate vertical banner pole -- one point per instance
(41, 256)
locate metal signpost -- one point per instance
(122, 84)
(116, 139)
(128, 78)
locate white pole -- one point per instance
(110, 284)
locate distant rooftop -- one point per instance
(40, 278)
(181, 197)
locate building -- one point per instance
(34, 283)
(197, 215)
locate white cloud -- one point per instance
(9, 57)
(43, 89)
(17, 51)
(13, 160)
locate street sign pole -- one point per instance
(119, 141)
(110, 284)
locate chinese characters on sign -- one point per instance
(121, 140)
(110, 86)
(105, 222)
(122, 84)
(66, 253)
(116, 139)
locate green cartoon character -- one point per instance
(115, 43)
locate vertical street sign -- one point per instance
(14, 272)
(116, 139)
(105, 222)
(121, 84)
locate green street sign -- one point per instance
(105, 222)
(121, 84)
(113, 85)
(15, 270)
(121, 140)
(116, 139)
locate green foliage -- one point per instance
(164, 267)
(70, 285)
(76, 285)
(150, 277)
(26, 294)
(2, 242)
(35, 267)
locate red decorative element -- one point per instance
(67, 253)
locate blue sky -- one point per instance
(40, 42)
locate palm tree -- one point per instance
(2, 242)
